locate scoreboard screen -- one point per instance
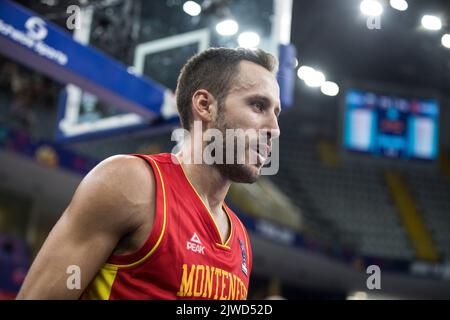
(391, 126)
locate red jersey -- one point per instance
(184, 256)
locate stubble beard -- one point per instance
(235, 172)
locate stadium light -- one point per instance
(446, 40)
(330, 89)
(227, 27)
(371, 8)
(430, 22)
(249, 39)
(192, 8)
(315, 79)
(400, 5)
(305, 72)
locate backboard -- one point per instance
(165, 38)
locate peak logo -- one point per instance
(195, 245)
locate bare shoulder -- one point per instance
(121, 187)
(111, 202)
(124, 171)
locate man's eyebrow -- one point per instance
(258, 96)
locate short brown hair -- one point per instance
(214, 70)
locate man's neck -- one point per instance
(206, 179)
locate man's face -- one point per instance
(252, 105)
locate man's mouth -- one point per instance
(262, 152)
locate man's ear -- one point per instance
(203, 105)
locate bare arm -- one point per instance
(107, 205)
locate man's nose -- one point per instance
(273, 127)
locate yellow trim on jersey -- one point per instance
(100, 287)
(231, 226)
(210, 214)
(223, 246)
(110, 265)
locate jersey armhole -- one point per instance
(158, 229)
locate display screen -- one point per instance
(391, 126)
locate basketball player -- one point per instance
(156, 226)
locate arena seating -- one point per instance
(352, 200)
(432, 193)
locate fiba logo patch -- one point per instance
(244, 258)
(36, 29)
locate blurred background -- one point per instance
(364, 165)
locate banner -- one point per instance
(47, 48)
